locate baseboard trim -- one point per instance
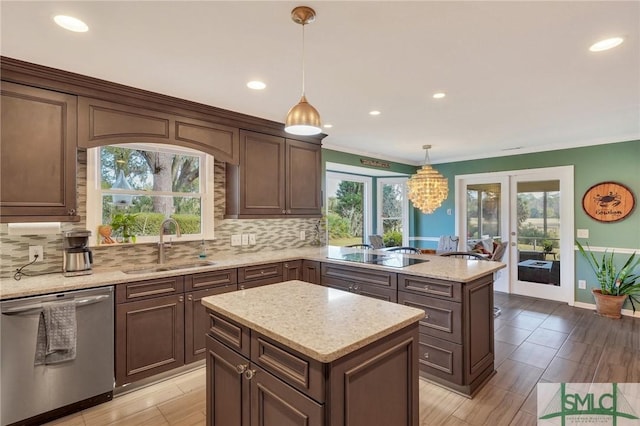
(625, 312)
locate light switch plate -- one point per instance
(582, 233)
(252, 239)
(236, 240)
(582, 284)
(303, 236)
(245, 239)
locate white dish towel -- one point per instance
(57, 333)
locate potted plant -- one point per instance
(123, 223)
(616, 284)
(547, 246)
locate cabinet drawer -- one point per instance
(443, 318)
(441, 358)
(300, 371)
(139, 290)
(227, 277)
(360, 275)
(430, 286)
(232, 334)
(387, 294)
(260, 272)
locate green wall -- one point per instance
(618, 162)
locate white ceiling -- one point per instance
(518, 75)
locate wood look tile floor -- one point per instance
(536, 341)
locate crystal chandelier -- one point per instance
(427, 188)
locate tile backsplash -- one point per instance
(271, 234)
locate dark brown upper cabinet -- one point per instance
(276, 177)
(38, 155)
(105, 123)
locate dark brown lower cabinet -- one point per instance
(366, 282)
(456, 334)
(149, 337)
(311, 271)
(292, 270)
(275, 385)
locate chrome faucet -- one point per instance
(162, 245)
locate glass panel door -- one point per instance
(542, 230)
(348, 207)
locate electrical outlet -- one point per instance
(582, 284)
(252, 239)
(245, 239)
(449, 212)
(303, 235)
(36, 250)
(236, 240)
(582, 233)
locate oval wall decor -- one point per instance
(608, 202)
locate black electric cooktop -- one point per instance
(392, 260)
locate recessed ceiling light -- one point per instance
(328, 126)
(439, 95)
(606, 44)
(70, 23)
(374, 112)
(256, 85)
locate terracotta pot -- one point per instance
(607, 305)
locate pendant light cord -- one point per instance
(303, 92)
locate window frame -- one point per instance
(95, 192)
(402, 181)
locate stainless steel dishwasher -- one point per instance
(37, 393)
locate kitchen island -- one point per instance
(299, 353)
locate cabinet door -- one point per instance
(196, 322)
(149, 337)
(292, 270)
(304, 172)
(274, 403)
(38, 155)
(262, 188)
(311, 271)
(228, 392)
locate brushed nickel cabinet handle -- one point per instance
(181, 298)
(190, 298)
(284, 211)
(249, 374)
(426, 355)
(71, 212)
(241, 368)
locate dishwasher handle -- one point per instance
(37, 307)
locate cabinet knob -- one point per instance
(284, 211)
(71, 212)
(261, 272)
(289, 211)
(181, 298)
(190, 298)
(248, 374)
(242, 287)
(350, 288)
(426, 315)
(286, 265)
(426, 355)
(241, 368)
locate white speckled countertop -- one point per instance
(320, 322)
(437, 267)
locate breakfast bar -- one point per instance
(300, 353)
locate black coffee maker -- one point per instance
(77, 258)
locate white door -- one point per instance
(529, 209)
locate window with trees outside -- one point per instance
(348, 208)
(393, 211)
(134, 187)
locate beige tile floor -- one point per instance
(536, 341)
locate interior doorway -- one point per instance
(531, 210)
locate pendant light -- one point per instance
(303, 118)
(427, 188)
(122, 184)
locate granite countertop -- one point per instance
(437, 267)
(320, 322)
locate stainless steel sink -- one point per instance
(168, 267)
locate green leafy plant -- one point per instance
(613, 280)
(547, 246)
(392, 239)
(124, 224)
